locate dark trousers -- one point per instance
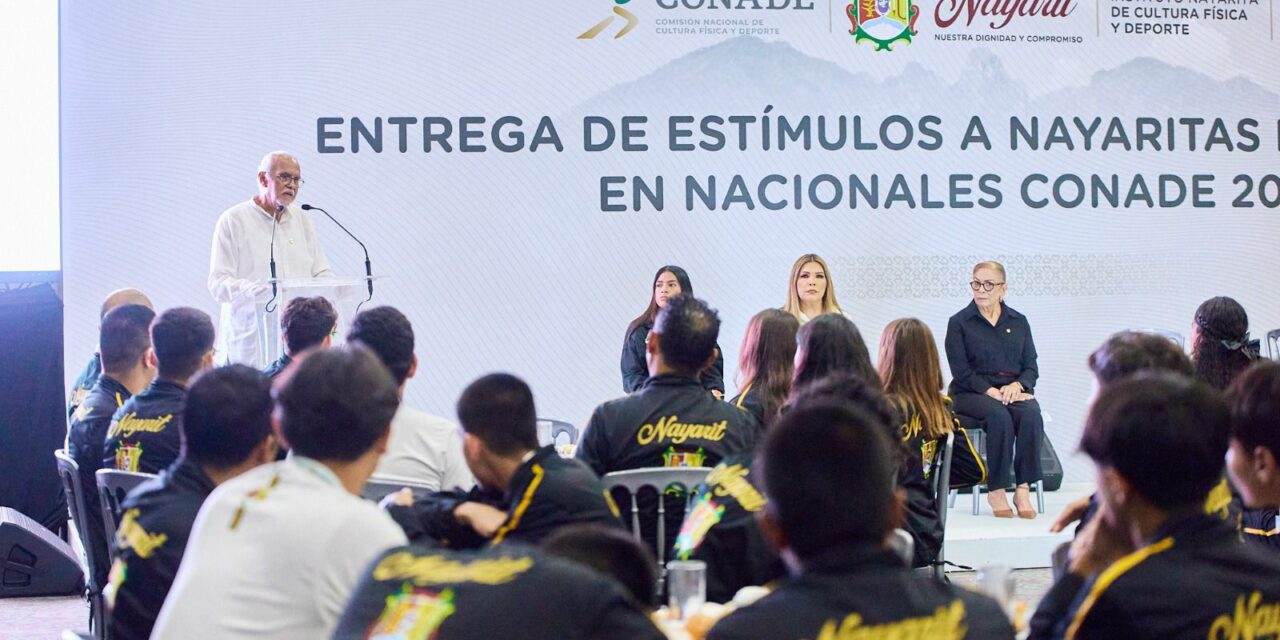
(1014, 432)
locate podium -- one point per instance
(344, 293)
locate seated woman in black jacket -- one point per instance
(993, 377)
(765, 364)
(669, 281)
(721, 527)
(832, 360)
(912, 375)
(1220, 344)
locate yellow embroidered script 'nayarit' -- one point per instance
(670, 429)
(437, 570)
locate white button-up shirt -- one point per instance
(240, 259)
(274, 555)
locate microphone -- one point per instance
(368, 267)
(275, 222)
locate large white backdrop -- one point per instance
(510, 260)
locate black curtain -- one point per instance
(33, 419)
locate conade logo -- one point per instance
(618, 11)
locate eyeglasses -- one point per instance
(985, 286)
(287, 178)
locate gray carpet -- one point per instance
(1029, 585)
(42, 618)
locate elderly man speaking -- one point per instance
(239, 263)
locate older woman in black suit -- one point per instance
(993, 376)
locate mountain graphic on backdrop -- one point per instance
(739, 73)
(744, 74)
(1148, 86)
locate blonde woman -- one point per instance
(993, 376)
(811, 293)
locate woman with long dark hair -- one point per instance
(668, 282)
(912, 375)
(765, 364)
(831, 343)
(1220, 344)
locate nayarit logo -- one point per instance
(883, 22)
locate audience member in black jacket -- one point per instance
(1253, 461)
(226, 425)
(123, 342)
(546, 492)
(526, 492)
(1152, 564)
(721, 530)
(612, 552)
(670, 281)
(828, 468)
(89, 375)
(920, 517)
(84, 384)
(1122, 355)
(511, 591)
(671, 422)
(305, 323)
(146, 433)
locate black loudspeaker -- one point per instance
(1050, 465)
(33, 561)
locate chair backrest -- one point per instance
(903, 546)
(113, 486)
(69, 473)
(549, 432)
(684, 479)
(378, 488)
(941, 479)
(940, 476)
(1273, 344)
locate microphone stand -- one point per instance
(368, 266)
(275, 222)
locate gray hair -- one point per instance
(270, 159)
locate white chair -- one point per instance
(378, 488)
(661, 480)
(549, 432)
(903, 546)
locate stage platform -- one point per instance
(982, 540)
